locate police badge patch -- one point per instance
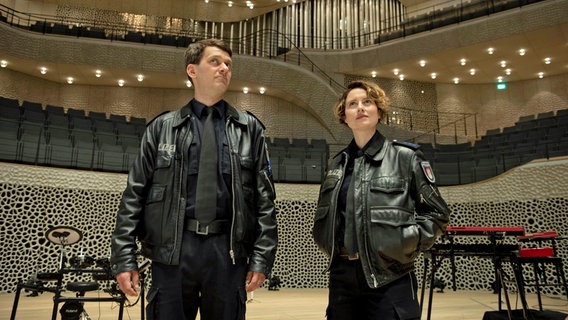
(428, 172)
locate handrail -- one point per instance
(266, 43)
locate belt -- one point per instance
(215, 226)
(346, 256)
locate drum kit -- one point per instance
(78, 265)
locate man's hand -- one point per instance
(128, 282)
(254, 280)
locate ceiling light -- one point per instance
(472, 72)
(503, 63)
(433, 75)
(98, 73)
(70, 80)
(401, 77)
(541, 75)
(374, 74)
(422, 63)
(245, 90)
(3, 63)
(547, 60)
(499, 79)
(188, 83)
(230, 3)
(395, 71)
(490, 50)
(522, 52)
(456, 80)
(43, 70)
(262, 90)
(121, 82)
(462, 61)
(140, 77)
(206, 1)
(508, 71)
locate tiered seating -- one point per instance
(543, 136)
(53, 137)
(298, 160)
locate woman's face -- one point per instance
(361, 112)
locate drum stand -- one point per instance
(73, 306)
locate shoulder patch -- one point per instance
(257, 119)
(428, 172)
(410, 145)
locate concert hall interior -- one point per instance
(481, 86)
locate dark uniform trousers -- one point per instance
(206, 279)
(351, 298)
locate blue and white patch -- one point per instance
(428, 172)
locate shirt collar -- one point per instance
(197, 108)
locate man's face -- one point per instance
(213, 71)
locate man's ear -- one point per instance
(190, 70)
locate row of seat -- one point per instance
(298, 160)
(73, 139)
(541, 137)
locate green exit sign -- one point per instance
(501, 86)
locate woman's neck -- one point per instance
(363, 137)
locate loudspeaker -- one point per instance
(531, 315)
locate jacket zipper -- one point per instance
(182, 173)
(366, 226)
(231, 249)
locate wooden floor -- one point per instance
(288, 304)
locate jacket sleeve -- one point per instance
(129, 218)
(264, 251)
(432, 212)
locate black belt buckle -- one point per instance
(200, 230)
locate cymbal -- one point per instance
(64, 235)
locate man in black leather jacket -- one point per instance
(196, 267)
(378, 208)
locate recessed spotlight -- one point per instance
(121, 82)
(230, 3)
(374, 74)
(463, 61)
(401, 77)
(70, 80)
(206, 1)
(456, 80)
(472, 71)
(422, 63)
(522, 52)
(508, 71)
(490, 50)
(262, 90)
(541, 75)
(3, 63)
(395, 71)
(499, 79)
(547, 60)
(98, 73)
(188, 83)
(433, 75)
(140, 77)
(245, 90)
(43, 70)
(503, 63)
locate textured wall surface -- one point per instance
(34, 199)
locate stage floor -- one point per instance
(288, 304)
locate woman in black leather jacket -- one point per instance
(378, 208)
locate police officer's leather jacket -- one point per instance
(153, 204)
(397, 207)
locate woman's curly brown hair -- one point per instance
(374, 92)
